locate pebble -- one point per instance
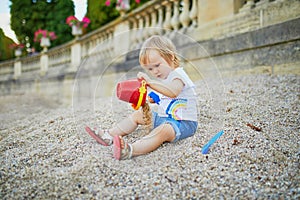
(47, 155)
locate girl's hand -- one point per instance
(171, 90)
(144, 76)
(150, 100)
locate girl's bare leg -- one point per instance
(161, 134)
(128, 125)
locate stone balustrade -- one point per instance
(7, 69)
(30, 63)
(200, 19)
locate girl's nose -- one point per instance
(155, 70)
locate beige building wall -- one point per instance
(210, 10)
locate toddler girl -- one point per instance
(176, 116)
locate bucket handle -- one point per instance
(142, 91)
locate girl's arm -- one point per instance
(171, 90)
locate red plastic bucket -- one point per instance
(133, 91)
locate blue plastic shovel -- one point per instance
(206, 147)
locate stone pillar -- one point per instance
(75, 56)
(44, 63)
(209, 10)
(17, 69)
(121, 40)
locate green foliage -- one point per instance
(27, 16)
(5, 51)
(100, 14)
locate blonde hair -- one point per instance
(147, 116)
(163, 46)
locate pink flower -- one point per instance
(72, 20)
(52, 35)
(86, 22)
(43, 33)
(107, 2)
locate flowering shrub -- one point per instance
(43, 33)
(16, 46)
(72, 20)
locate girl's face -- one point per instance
(157, 66)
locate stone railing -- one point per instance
(7, 70)
(200, 19)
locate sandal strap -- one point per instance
(106, 136)
(127, 151)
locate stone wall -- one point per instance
(272, 49)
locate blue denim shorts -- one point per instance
(182, 128)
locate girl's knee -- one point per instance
(137, 117)
(168, 132)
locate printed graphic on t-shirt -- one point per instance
(175, 108)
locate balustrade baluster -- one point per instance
(133, 33)
(262, 2)
(110, 42)
(139, 35)
(194, 13)
(249, 5)
(167, 24)
(99, 45)
(90, 46)
(146, 32)
(184, 16)
(175, 19)
(136, 34)
(105, 44)
(94, 43)
(160, 19)
(154, 24)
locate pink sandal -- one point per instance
(119, 152)
(106, 139)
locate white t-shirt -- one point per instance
(184, 106)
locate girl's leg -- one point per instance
(128, 125)
(161, 134)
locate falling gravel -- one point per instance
(45, 153)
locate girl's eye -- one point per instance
(157, 65)
(150, 69)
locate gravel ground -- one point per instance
(45, 154)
